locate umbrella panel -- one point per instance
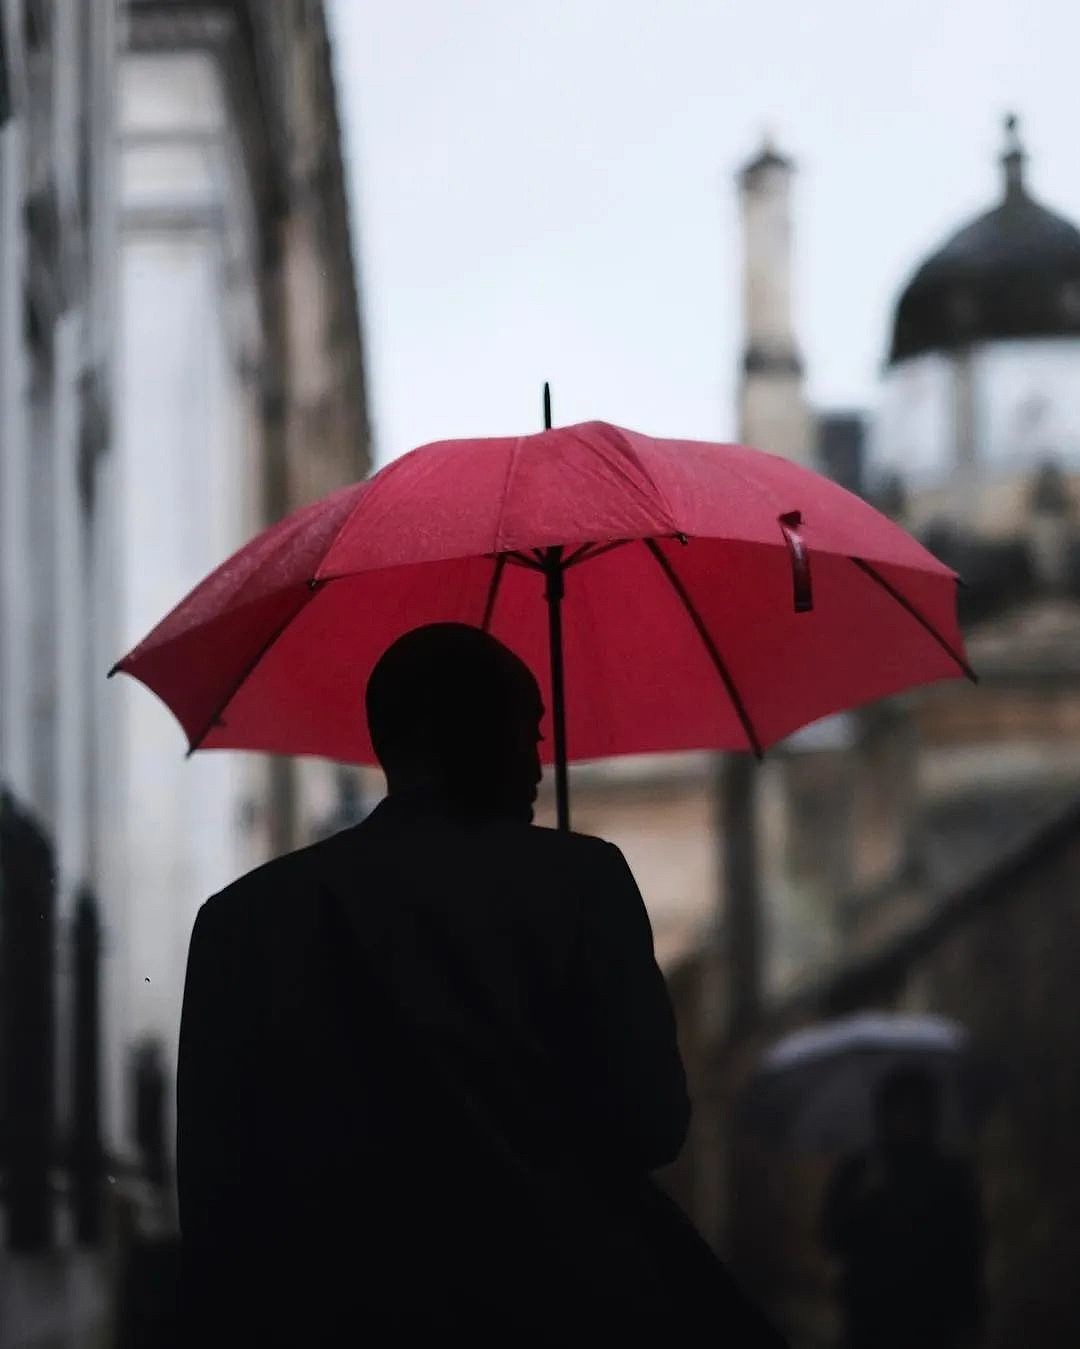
(639, 677)
(826, 1105)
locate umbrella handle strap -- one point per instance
(790, 524)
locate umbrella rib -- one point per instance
(588, 551)
(710, 646)
(493, 590)
(518, 559)
(579, 554)
(908, 607)
(313, 587)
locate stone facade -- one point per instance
(181, 362)
(915, 855)
(57, 316)
(241, 397)
(999, 956)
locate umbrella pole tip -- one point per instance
(547, 406)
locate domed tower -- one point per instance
(976, 447)
(981, 397)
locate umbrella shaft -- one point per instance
(553, 570)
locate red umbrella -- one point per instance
(699, 596)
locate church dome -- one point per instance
(1012, 273)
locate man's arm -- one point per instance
(629, 1068)
(213, 1204)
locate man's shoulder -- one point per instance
(557, 847)
(562, 840)
(282, 882)
(278, 880)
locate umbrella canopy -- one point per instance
(814, 1090)
(702, 596)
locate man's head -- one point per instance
(908, 1110)
(452, 710)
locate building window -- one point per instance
(5, 78)
(35, 25)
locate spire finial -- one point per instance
(1013, 158)
(767, 157)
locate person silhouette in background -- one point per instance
(904, 1220)
(427, 1065)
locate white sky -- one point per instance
(543, 189)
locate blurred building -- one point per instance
(57, 317)
(240, 396)
(867, 820)
(976, 448)
(918, 854)
(181, 362)
(773, 410)
(841, 448)
(948, 842)
(980, 411)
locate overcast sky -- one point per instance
(543, 189)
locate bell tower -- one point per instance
(773, 414)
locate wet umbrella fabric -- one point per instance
(693, 596)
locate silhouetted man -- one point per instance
(427, 1065)
(905, 1221)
